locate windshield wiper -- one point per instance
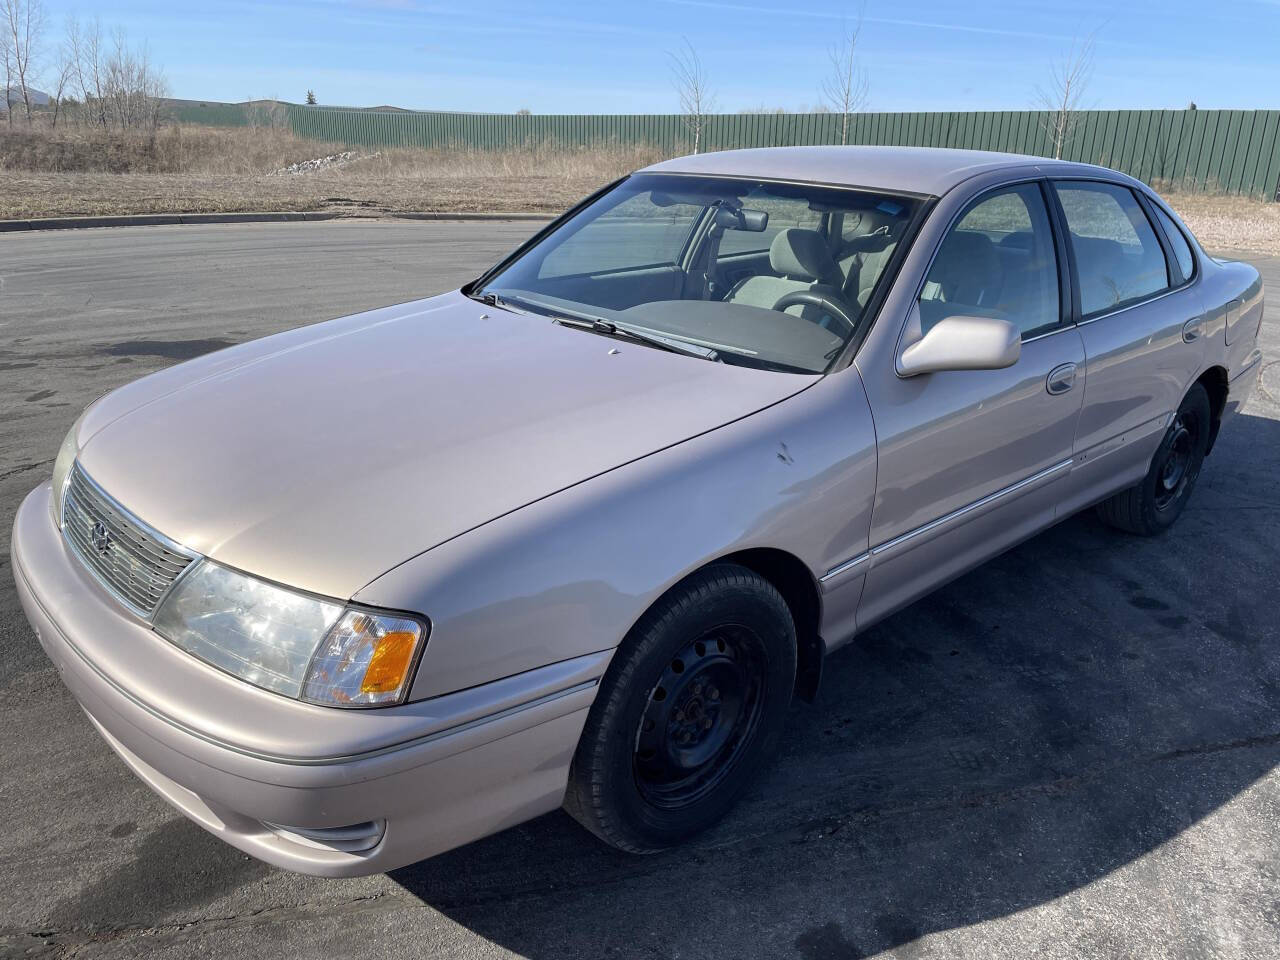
(610, 329)
(488, 299)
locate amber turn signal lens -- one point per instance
(390, 662)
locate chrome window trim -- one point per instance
(945, 518)
(1167, 292)
(146, 616)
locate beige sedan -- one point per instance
(577, 533)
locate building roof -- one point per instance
(922, 170)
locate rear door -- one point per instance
(1139, 317)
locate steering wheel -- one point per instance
(811, 298)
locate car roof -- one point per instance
(930, 171)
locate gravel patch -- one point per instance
(1230, 223)
(324, 163)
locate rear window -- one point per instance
(1118, 258)
(1181, 248)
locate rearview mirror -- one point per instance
(741, 218)
(961, 343)
(753, 220)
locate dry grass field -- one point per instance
(206, 169)
(194, 169)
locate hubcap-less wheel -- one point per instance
(1152, 505)
(693, 702)
(1174, 470)
(702, 711)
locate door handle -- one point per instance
(1191, 330)
(1061, 378)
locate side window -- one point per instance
(1177, 240)
(997, 261)
(636, 233)
(1118, 258)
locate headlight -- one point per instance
(62, 469)
(289, 642)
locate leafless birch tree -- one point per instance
(23, 26)
(1061, 99)
(690, 81)
(845, 87)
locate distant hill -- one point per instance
(180, 104)
(38, 97)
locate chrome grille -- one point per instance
(134, 562)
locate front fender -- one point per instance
(570, 574)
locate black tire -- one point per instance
(655, 766)
(1151, 506)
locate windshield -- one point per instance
(774, 275)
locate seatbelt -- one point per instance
(712, 255)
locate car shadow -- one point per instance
(1033, 727)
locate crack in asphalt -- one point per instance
(92, 936)
(24, 468)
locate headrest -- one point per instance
(803, 254)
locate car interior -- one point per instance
(757, 250)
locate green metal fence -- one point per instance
(1232, 151)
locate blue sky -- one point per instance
(566, 57)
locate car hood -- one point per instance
(324, 456)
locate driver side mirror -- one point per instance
(960, 343)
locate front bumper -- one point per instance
(237, 760)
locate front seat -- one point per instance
(966, 277)
(805, 263)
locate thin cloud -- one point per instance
(888, 21)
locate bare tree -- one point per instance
(845, 87)
(88, 70)
(1068, 79)
(23, 27)
(63, 71)
(8, 78)
(690, 81)
(119, 87)
(132, 86)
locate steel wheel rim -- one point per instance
(699, 717)
(1174, 471)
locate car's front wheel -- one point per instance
(1158, 500)
(691, 706)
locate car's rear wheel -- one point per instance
(691, 706)
(1151, 506)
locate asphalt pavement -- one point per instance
(1071, 751)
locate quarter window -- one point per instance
(1177, 240)
(1118, 258)
(997, 261)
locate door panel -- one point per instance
(1138, 367)
(959, 446)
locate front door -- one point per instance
(971, 461)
